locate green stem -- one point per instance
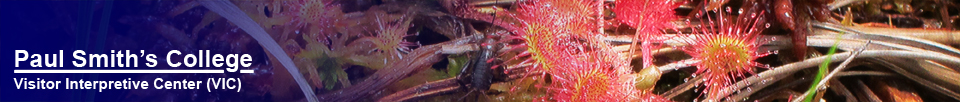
(822, 71)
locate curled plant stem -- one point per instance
(237, 17)
(797, 66)
(428, 89)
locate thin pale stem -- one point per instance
(418, 60)
(842, 66)
(237, 17)
(865, 73)
(677, 65)
(683, 87)
(809, 63)
(424, 90)
(841, 3)
(925, 39)
(905, 64)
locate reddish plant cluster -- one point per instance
(390, 36)
(321, 13)
(649, 17)
(321, 17)
(727, 51)
(562, 41)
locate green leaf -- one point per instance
(826, 63)
(329, 82)
(822, 71)
(456, 63)
(342, 77)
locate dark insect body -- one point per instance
(479, 73)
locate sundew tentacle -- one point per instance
(649, 17)
(390, 36)
(562, 41)
(727, 51)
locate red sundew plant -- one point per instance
(562, 41)
(727, 51)
(390, 36)
(649, 17)
(546, 30)
(322, 14)
(573, 17)
(653, 14)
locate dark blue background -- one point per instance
(44, 27)
(38, 27)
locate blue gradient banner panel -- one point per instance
(129, 51)
(479, 50)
